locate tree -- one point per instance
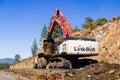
(88, 25)
(57, 33)
(17, 58)
(34, 47)
(88, 19)
(100, 21)
(43, 33)
(115, 18)
(76, 29)
(89, 22)
(4, 65)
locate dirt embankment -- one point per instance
(97, 71)
(26, 63)
(108, 36)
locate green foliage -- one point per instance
(17, 58)
(34, 47)
(76, 29)
(100, 21)
(115, 18)
(89, 23)
(88, 19)
(57, 33)
(4, 66)
(43, 33)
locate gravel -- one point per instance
(8, 76)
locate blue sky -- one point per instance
(22, 20)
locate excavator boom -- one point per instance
(60, 20)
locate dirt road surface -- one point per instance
(96, 71)
(8, 76)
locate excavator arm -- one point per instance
(60, 19)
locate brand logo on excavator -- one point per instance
(84, 49)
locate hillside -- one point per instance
(108, 36)
(107, 68)
(7, 60)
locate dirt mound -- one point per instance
(25, 63)
(108, 36)
(97, 71)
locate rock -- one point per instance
(111, 71)
(70, 74)
(88, 76)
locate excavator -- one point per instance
(62, 53)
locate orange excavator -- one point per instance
(60, 19)
(62, 53)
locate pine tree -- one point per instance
(76, 29)
(57, 33)
(89, 22)
(43, 33)
(17, 58)
(100, 21)
(88, 19)
(34, 47)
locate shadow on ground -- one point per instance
(78, 63)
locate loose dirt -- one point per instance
(96, 71)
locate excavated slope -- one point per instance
(108, 36)
(26, 63)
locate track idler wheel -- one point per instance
(42, 63)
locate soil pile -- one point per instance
(97, 71)
(26, 63)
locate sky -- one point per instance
(22, 20)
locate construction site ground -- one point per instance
(10, 76)
(96, 71)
